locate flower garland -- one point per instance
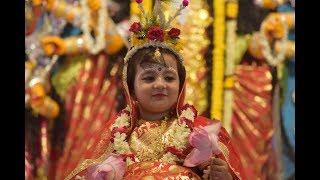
(218, 59)
(69, 12)
(279, 57)
(175, 139)
(232, 13)
(195, 40)
(100, 44)
(269, 4)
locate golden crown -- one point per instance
(155, 30)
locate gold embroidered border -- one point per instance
(89, 162)
(225, 153)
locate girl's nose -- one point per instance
(159, 84)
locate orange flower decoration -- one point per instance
(53, 45)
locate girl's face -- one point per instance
(156, 87)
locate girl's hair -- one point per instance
(145, 56)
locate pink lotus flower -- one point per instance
(112, 168)
(205, 142)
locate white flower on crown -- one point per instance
(120, 144)
(188, 113)
(121, 121)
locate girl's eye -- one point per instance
(148, 78)
(169, 78)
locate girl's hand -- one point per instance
(218, 169)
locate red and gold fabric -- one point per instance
(158, 171)
(101, 149)
(252, 125)
(89, 103)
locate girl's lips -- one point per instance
(159, 95)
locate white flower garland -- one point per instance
(101, 29)
(274, 60)
(188, 113)
(120, 144)
(176, 136)
(121, 121)
(169, 158)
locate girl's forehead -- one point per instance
(157, 67)
(169, 62)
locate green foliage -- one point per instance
(67, 74)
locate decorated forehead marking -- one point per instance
(157, 55)
(158, 70)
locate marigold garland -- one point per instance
(218, 59)
(195, 41)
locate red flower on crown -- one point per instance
(185, 3)
(174, 33)
(135, 27)
(155, 33)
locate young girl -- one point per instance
(157, 136)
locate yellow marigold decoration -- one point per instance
(29, 64)
(94, 5)
(50, 4)
(36, 2)
(218, 59)
(115, 43)
(195, 41)
(232, 10)
(229, 82)
(271, 4)
(50, 108)
(53, 45)
(137, 41)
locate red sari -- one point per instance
(90, 102)
(252, 124)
